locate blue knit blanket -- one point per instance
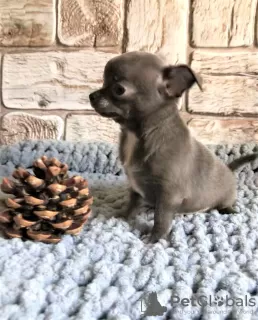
(207, 270)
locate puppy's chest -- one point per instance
(132, 162)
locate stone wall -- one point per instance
(53, 53)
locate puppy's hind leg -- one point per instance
(227, 210)
(226, 207)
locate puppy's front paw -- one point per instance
(156, 236)
(145, 238)
(160, 230)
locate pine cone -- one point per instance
(45, 205)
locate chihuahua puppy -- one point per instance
(167, 168)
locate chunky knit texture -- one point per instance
(105, 271)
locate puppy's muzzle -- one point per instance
(94, 97)
(100, 104)
(97, 101)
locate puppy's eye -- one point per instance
(118, 90)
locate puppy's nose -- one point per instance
(93, 96)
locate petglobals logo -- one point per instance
(211, 301)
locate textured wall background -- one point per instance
(53, 53)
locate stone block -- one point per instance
(224, 131)
(52, 80)
(91, 23)
(27, 22)
(223, 23)
(91, 128)
(159, 26)
(19, 126)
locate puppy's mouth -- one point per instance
(110, 115)
(105, 114)
(103, 108)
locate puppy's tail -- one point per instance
(236, 164)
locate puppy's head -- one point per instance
(137, 84)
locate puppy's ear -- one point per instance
(179, 78)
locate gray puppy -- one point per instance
(167, 168)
